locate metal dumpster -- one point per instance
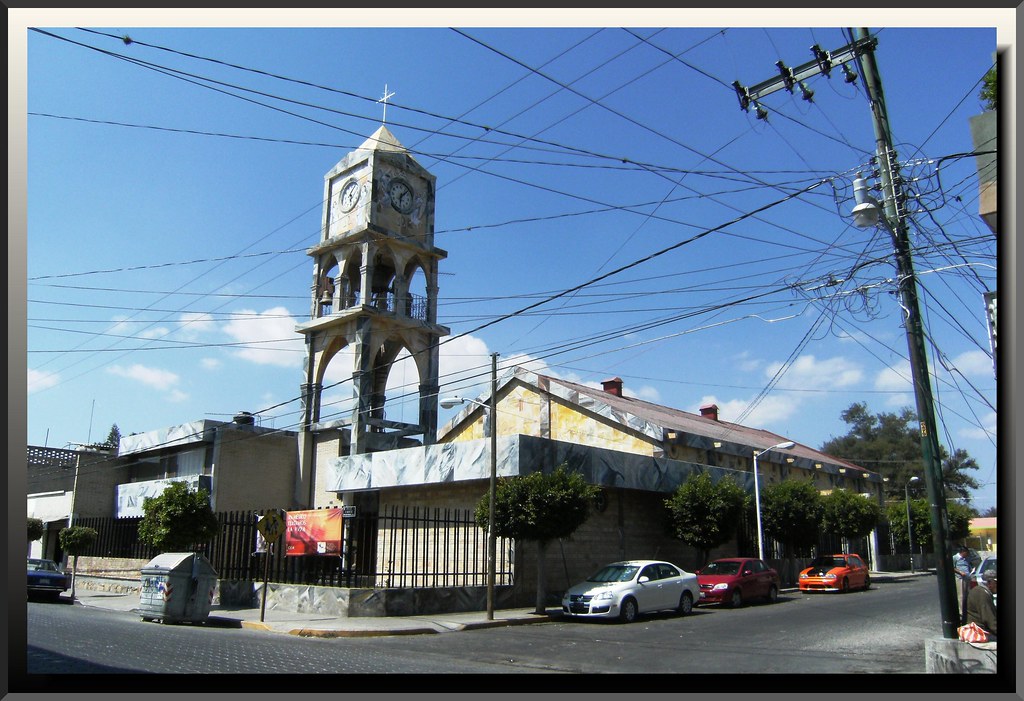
(177, 587)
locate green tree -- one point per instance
(849, 514)
(114, 437)
(75, 540)
(703, 513)
(538, 507)
(958, 515)
(920, 522)
(990, 512)
(890, 444)
(36, 528)
(791, 512)
(179, 520)
(958, 483)
(990, 90)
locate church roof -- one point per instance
(657, 421)
(382, 140)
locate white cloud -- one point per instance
(975, 363)
(39, 380)
(985, 432)
(272, 334)
(896, 379)
(152, 377)
(177, 396)
(210, 363)
(645, 392)
(192, 324)
(768, 413)
(465, 366)
(746, 363)
(155, 332)
(807, 372)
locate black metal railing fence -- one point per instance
(404, 546)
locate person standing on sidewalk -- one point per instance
(962, 573)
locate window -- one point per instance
(651, 571)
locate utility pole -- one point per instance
(861, 49)
(892, 201)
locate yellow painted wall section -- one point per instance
(521, 410)
(519, 413)
(572, 426)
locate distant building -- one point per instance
(52, 475)
(983, 534)
(242, 466)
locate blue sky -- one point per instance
(175, 182)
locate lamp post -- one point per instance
(757, 493)
(910, 532)
(492, 409)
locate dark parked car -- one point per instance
(734, 580)
(46, 579)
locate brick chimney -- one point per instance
(613, 386)
(709, 411)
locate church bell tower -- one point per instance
(373, 295)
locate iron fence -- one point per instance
(403, 546)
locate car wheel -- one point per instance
(773, 594)
(685, 603)
(737, 599)
(867, 583)
(628, 611)
(846, 586)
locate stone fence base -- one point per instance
(945, 656)
(330, 601)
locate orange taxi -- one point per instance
(841, 573)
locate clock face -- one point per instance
(401, 196)
(349, 196)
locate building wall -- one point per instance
(630, 526)
(98, 477)
(327, 444)
(253, 471)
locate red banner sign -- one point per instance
(316, 532)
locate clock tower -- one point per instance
(374, 294)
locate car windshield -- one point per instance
(42, 565)
(828, 561)
(614, 573)
(721, 568)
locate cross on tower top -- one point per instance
(387, 96)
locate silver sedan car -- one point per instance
(624, 590)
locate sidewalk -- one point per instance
(324, 626)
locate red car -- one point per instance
(733, 580)
(841, 572)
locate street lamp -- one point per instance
(910, 533)
(492, 409)
(785, 445)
